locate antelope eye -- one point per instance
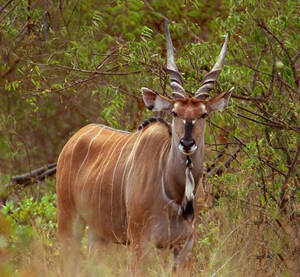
(174, 114)
(204, 115)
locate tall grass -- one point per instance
(236, 236)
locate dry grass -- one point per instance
(237, 236)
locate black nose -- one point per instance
(187, 143)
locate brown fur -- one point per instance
(129, 187)
(105, 180)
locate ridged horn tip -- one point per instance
(172, 69)
(212, 76)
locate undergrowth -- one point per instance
(236, 236)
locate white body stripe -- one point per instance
(127, 162)
(87, 177)
(87, 154)
(70, 169)
(112, 182)
(100, 171)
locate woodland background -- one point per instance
(67, 63)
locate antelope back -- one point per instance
(104, 175)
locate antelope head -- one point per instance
(189, 113)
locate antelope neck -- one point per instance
(174, 174)
(185, 208)
(175, 169)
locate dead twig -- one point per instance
(256, 67)
(273, 125)
(148, 5)
(33, 176)
(94, 72)
(287, 177)
(9, 11)
(223, 129)
(5, 5)
(270, 75)
(93, 76)
(248, 98)
(11, 69)
(219, 170)
(261, 24)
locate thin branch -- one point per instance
(213, 164)
(60, 6)
(29, 17)
(95, 72)
(5, 5)
(261, 172)
(73, 10)
(294, 212)
(259, 122)
(274, 69)
(148, 5)
(33, 175)
(288, 175)
(248, 98)
(261, 24)
(106, 58)
(11, 69)
(94, 76)
(259, 115)
(274, 125)
(45, 7)
(278, 78)
(256, 67)
(228, 260)
(219, 170)
(123, 91)
(295, 58)
(219, 127)
(273, 167)
(78, 82)
(8, 12)
(270, 75)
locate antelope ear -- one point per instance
(219, 102)
(156, 102)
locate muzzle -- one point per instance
(187, 147)
(187, 144)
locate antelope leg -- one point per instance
(182, 254)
